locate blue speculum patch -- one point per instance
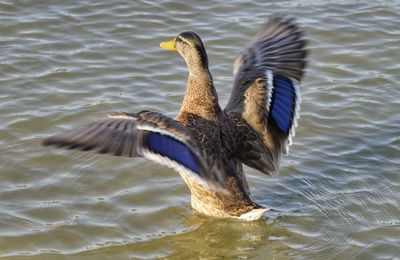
(173, 149)
(283, 103)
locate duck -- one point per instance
(208, 145)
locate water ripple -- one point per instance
(66, 63)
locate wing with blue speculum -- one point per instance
(265, 93)
(145, 134)
(284, 103)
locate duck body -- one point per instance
(206, 145)
(215, 138)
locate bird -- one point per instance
(208, 145)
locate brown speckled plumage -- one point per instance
(205, 144)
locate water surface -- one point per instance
(63, 64)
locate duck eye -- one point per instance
(180, 40)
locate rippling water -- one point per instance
(66, 63)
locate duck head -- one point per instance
(191, 48)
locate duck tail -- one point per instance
(253, 215)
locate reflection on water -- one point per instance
(64, 64)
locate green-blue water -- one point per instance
(66, 63)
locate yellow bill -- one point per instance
(169, 45)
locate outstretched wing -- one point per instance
(265, 93)
(145, 134)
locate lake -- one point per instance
(66, 63)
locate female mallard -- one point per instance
(206, 145)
